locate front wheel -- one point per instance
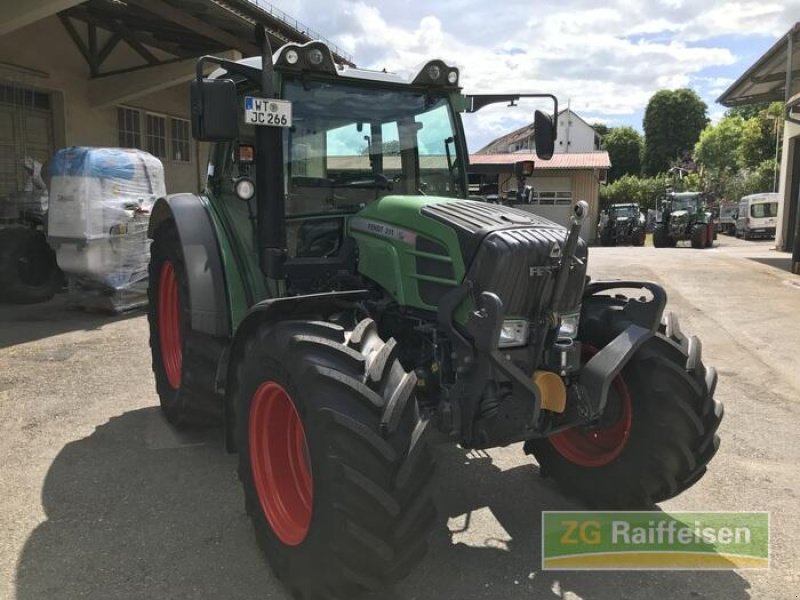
(699, 237)
(657, 434)
(661, 239)
(334, 459)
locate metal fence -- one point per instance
(301, 27)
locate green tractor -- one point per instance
(622, 224)
(334, 300)
(684, 217)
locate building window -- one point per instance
(129, 127)
(179, 140)
(552, 198)
(156, 135)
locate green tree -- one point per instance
(644, 191)
(601, 128)
(717, 150)
(758, 137)
(624, 146)
(673, 121)
(747, 111)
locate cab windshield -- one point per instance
(349, 145)
(624, 211)
(689, 203)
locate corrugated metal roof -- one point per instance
(765, 80)
(572, 160)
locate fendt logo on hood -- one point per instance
(542, 270)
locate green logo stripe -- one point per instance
(655, 540)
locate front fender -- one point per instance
(318, 306)
(633, 321)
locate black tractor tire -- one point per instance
(29, 272)
(661, 239)
(367, 460)
(184, 366)
(711, 235)
(672, 433)
(699, 237)
(607, 240)
(638, 237)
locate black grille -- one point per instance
(520, 266)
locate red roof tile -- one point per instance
(576, 160)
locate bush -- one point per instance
(644, 191)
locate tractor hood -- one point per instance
(421, 247)
(679, 214)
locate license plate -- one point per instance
(267, 111)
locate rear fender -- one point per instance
(208, 299)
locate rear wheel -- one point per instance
(656, 437)
(29, 272)
(334, 459)
(183, 368)
(711, 235)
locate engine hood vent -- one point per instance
(473, 221)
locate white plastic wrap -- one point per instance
(100, 203)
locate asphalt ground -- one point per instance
(99, 498)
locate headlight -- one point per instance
(315, 56)
(292, 57)
(513, 333)
(569, 325)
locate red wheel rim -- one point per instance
(598, 446)
(280, 463)
(169, 324)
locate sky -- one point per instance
(605, 58)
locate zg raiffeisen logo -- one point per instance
(654, 540)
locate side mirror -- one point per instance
(544, 135)
(215, 110)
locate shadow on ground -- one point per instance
(135, 510)
(784, 263)
(21, 323)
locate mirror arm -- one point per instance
(248, 73)
(478, 101)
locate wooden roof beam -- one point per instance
(183, 18)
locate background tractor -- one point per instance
(622, 224)
(338, 304)
(684, 217)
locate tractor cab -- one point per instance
(313, 143)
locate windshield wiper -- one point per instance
(378, 181)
